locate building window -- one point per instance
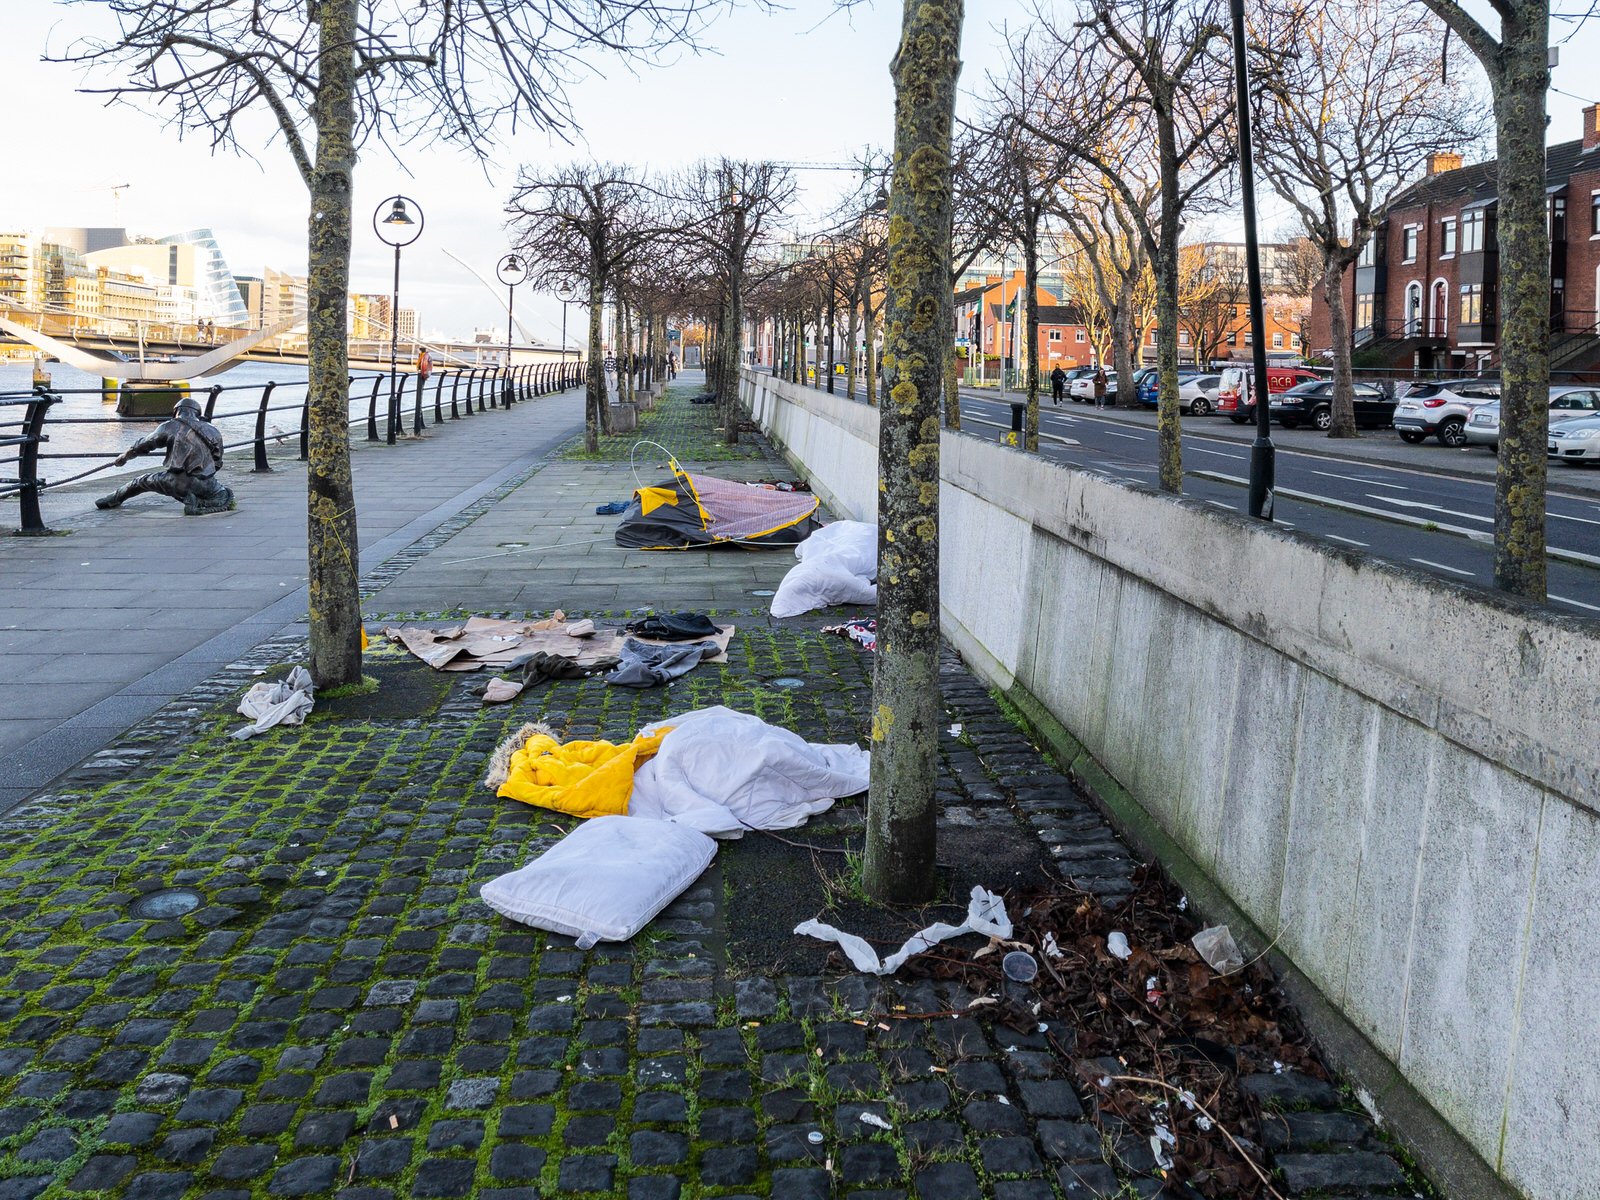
(1410, 243)
(1183, 337)
(1055, 335)
(1277, 341)
(1447, 238)
(1233, 339)
(1294, 341)
(1558, 218)
(1472, 304)
(1594, 213)
(1249, 337)
(1472, 232)
(1082, 336)
(1366, 310)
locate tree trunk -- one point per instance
(594, 403)
(332, 549)
(833, 333)
(732, 345)
(1524, 302)
(1122, 341)
(850, 350)
(1030, 280)
(908, 710)
(1344, 387)
(870, 352)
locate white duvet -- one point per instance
(723, 772)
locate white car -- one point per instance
(1197, 394)
(1566, 401)
(1575, 441)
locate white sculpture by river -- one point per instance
(98, 363)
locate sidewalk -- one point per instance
(341, 1016)
(103, 624)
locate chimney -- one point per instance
(1591, 127)
(1443, 160)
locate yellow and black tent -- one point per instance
(698, 510)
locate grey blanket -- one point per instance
(645, 666)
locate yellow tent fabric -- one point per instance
(652, 498)
(585, 779)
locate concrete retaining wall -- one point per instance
(1393, 776)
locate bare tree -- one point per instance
(1210, 291)
(1345, 121)
(907, 708)
(584, 221)
(730, 208)
(1150, 62)
(1517, 64)
(335, 75)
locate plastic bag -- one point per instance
(986, 914)
(1217, 947)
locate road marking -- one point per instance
(1130, 436)
(1451, 512)
(1221, 505)
(1346, 541)
(1576, 603)
(1428, 562)
(1218, 453)
(1584, 520)
(1359, 479)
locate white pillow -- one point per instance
(605, 880)
(819, 583)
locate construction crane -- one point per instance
(116, 190)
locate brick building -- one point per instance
(986, 313)
(1425, 293)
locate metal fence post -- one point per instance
(416, 414)
(455, 387)
(438, 391)
(305, 426)
(211, 400)
(372, 410)
(262, 467)
(28, 463)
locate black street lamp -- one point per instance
(564, 294)
(511, 271)
(1263, 456)
(393, 229)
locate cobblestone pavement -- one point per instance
(339, 1015)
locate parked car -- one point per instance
(1442, 409)
(1312, 404)
(1236, 395)
(1082, 389)
(1197, 395)
(1149, 381)
(1566, 401)
(1575, 440)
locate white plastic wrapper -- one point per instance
(1117, 944)
(1217, 947)
(986, 914)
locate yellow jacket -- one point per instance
(586, 779)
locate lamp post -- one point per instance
(393, 230)
(511, 270)
(1263, 456)
(564, 294)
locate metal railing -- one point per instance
(25, 418)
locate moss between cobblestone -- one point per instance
(688, 431)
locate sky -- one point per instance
(806, 84)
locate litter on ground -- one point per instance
(269, 704)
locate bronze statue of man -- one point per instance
(194, 452)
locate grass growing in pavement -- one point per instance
(688, 431)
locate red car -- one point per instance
(1236, 394)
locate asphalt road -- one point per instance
(1412, 512)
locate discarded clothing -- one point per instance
(704, 398)
(486, 642)
(864, 632)
(283, 703)
(674, 627)
(605, 880)
(643, 665)
(838, 565)
(542, 667)
(612, 509)
(586, 779)
(986, 914)
(723, 772)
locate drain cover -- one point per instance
(165, 904)
(788, 681)
(763, 592)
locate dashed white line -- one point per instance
(1134, 437)
(1428, 562)
(1452, 512)
(1348, 541)
(1574, 603)
(1218, 453)
(1358, 479)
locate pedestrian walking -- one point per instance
(1100, 383)
(1058, 385)
(424, 364)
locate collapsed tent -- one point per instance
(699, 510)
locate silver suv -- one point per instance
(1566, 403)
(1442, 409)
